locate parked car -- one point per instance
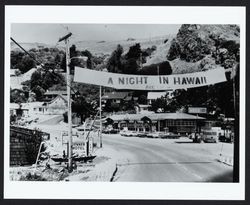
(142, 134)
(153, 135)
(171, 135)
(210, 136)
(110, 131)
(123, 132)
(130, 133)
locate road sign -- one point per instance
(197, 110)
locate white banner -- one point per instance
(149, 82)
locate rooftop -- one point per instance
(155, 95)
(56, 92)
(155, 116)
(115, 95)
(14, 106)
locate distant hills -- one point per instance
(100, 47)
(194, 48)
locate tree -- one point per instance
(63, 63)
(24, 64)
(90, 56)
(142, 99)
(114, 64)
(41, 81)
(57, 59)
(130, 66)
(18, 97)
(82, 108)
(217, 98)
(132, 58)
(134, 52)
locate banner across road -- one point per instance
(149, 82)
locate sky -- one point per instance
(50, 33)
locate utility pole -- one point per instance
(100, 104)
(66, 39)
(236, 139)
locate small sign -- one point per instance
(64, 137)
(79, 145)
(197, 110)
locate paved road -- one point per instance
(165, 160)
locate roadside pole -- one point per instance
(69, 105)
(236, 163)
(100, 104)
(66, 39)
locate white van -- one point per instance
(210, 136)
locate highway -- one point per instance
(169, 160)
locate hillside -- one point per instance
(99, 47)
(107, 47)
(202, 47)
(199, 47)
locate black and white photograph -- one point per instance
(124, 102)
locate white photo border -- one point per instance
(119, 15)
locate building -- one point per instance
(155, 95)
(14, 107)
(16, 81)
(49, 95)
(52, 94)
(13, 72)
(57, 106)
(142, 108)
(173, 122)
(18, 110)
(116, 97)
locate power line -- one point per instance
(47, 70)
(25, 51)
(41, 64)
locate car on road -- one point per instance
(171, 135)
(110, 131)
(128, 133)
(210, 136)
(142, 134)
(154, 135)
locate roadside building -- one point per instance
(173, 122)
(52, 94)
(33, 108)
(13, 72)
(116, 97)
(57, 106)
(155, 95)
(16, 81)
(13, 108)
(142, 108)
(18, 110)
